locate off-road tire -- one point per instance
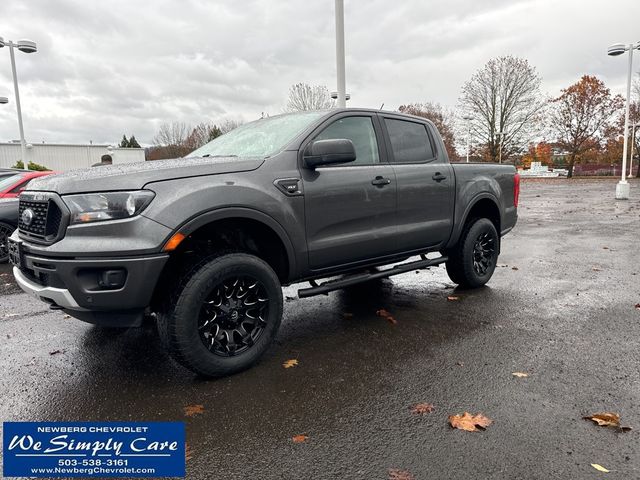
(181, 318)
(462, 266)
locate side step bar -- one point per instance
(326, 287)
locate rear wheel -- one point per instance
(5, 232)
(223, 316)
(473, 260)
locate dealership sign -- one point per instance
(93, 449)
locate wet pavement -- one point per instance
(560, 307)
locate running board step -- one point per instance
(350, 280)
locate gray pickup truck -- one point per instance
(204, 243)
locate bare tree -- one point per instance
(583, 115)
(172, 137)
(442, 119)
(198, 137)
(503, 96)
(227, 125)
(303, 97)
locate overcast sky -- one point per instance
(112, 67)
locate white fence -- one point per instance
(63, 157)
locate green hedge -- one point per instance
(32, 166)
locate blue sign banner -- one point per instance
(88, 449)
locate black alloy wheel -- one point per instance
(234, 316)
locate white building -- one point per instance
(62, 157)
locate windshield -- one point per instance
(262, 138)
(9, 181)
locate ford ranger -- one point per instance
(203, 244)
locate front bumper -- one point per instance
(74, 285)
(57, 296)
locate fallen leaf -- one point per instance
(468, 422)
(191, 410)
(637, 306)
(520, 374)
(605, 248)
(188, 454)
(290, 363)
(453, 298)
(397, 474)
(387, 316)
(347, 316)
(299, 438)
(9, 335)
(56, 352)
(596, 269)
(607, 419)
(422, 408)
(514, 268)
(460, 364)
(600, 468)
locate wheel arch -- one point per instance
(231, 229)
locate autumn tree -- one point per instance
(303, 96)
(540, 152)
(580, 116)
(442, 119)
(503, 96)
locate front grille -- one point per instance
(44, 220)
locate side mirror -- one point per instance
(327, 152)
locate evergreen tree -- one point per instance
(214, 132)
(124, 143)
(133, 143)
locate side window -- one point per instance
(409, 141)
(20, 186)
(360, 131)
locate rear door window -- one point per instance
(410, 141)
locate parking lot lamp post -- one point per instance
(340, 67)
(468, 119)
(622, 188)
(633, 147)
(26, 46)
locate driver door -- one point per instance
(350, 208)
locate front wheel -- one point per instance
(223, 315)
(473, 260)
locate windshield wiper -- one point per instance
(208, 155)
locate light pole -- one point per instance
(340, 68)
(26, 46)
(501, 140)
(468, 120)
(633, 147)
(622, 188)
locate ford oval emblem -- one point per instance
(27, 217)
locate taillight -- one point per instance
(516, 189)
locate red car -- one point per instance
(12, 185)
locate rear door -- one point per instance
(426, 185)
(350, 208)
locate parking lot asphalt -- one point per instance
(560, 307)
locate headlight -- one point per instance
(97, 207)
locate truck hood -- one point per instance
(133, 176)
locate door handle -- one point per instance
(380, 181)
(438, 177)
